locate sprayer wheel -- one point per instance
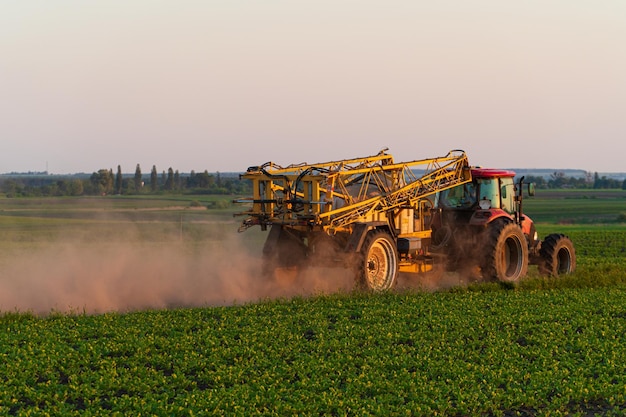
(378, 263)
(558, 256)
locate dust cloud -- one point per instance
(83, 274)
(75, 277)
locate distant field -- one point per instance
(149, 218)
(54, 206)
(185, 327)
(577, 206)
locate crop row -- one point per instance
(472, 353)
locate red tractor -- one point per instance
(480, 226)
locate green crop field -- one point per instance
(577, 206)
(165, 339)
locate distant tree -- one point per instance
(50, 189)
(191, 179)
(154, 179)
(603, 182)
(557, 179)
(203, 180)
(129, 186)
(138, 183)
(118, 180)
(75, 187)
(177, 182)
(102, 181)
(11, 188)
(169, 181)
(596, 180)
(210, 179)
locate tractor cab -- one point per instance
(492, 196)
(489, 189)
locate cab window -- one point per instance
(462, 196)
(489, 189)
(507, 192)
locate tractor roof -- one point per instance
(491, 173)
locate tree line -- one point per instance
(106, 182)
(558, 179)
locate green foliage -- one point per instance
(492, 353)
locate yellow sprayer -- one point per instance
(382, 218)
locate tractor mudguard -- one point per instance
(484, 217)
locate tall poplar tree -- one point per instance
(138, 179)
(177, 182)
(154, 179)
(118, 180)
(169, 181)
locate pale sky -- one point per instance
(223, 85)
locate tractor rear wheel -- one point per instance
(378, 264)
(558, 256)
(506, 253)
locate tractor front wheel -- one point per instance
(558, 256)
(378, 263)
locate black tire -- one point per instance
(505, 253)
(377, 268)
(558, 256)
